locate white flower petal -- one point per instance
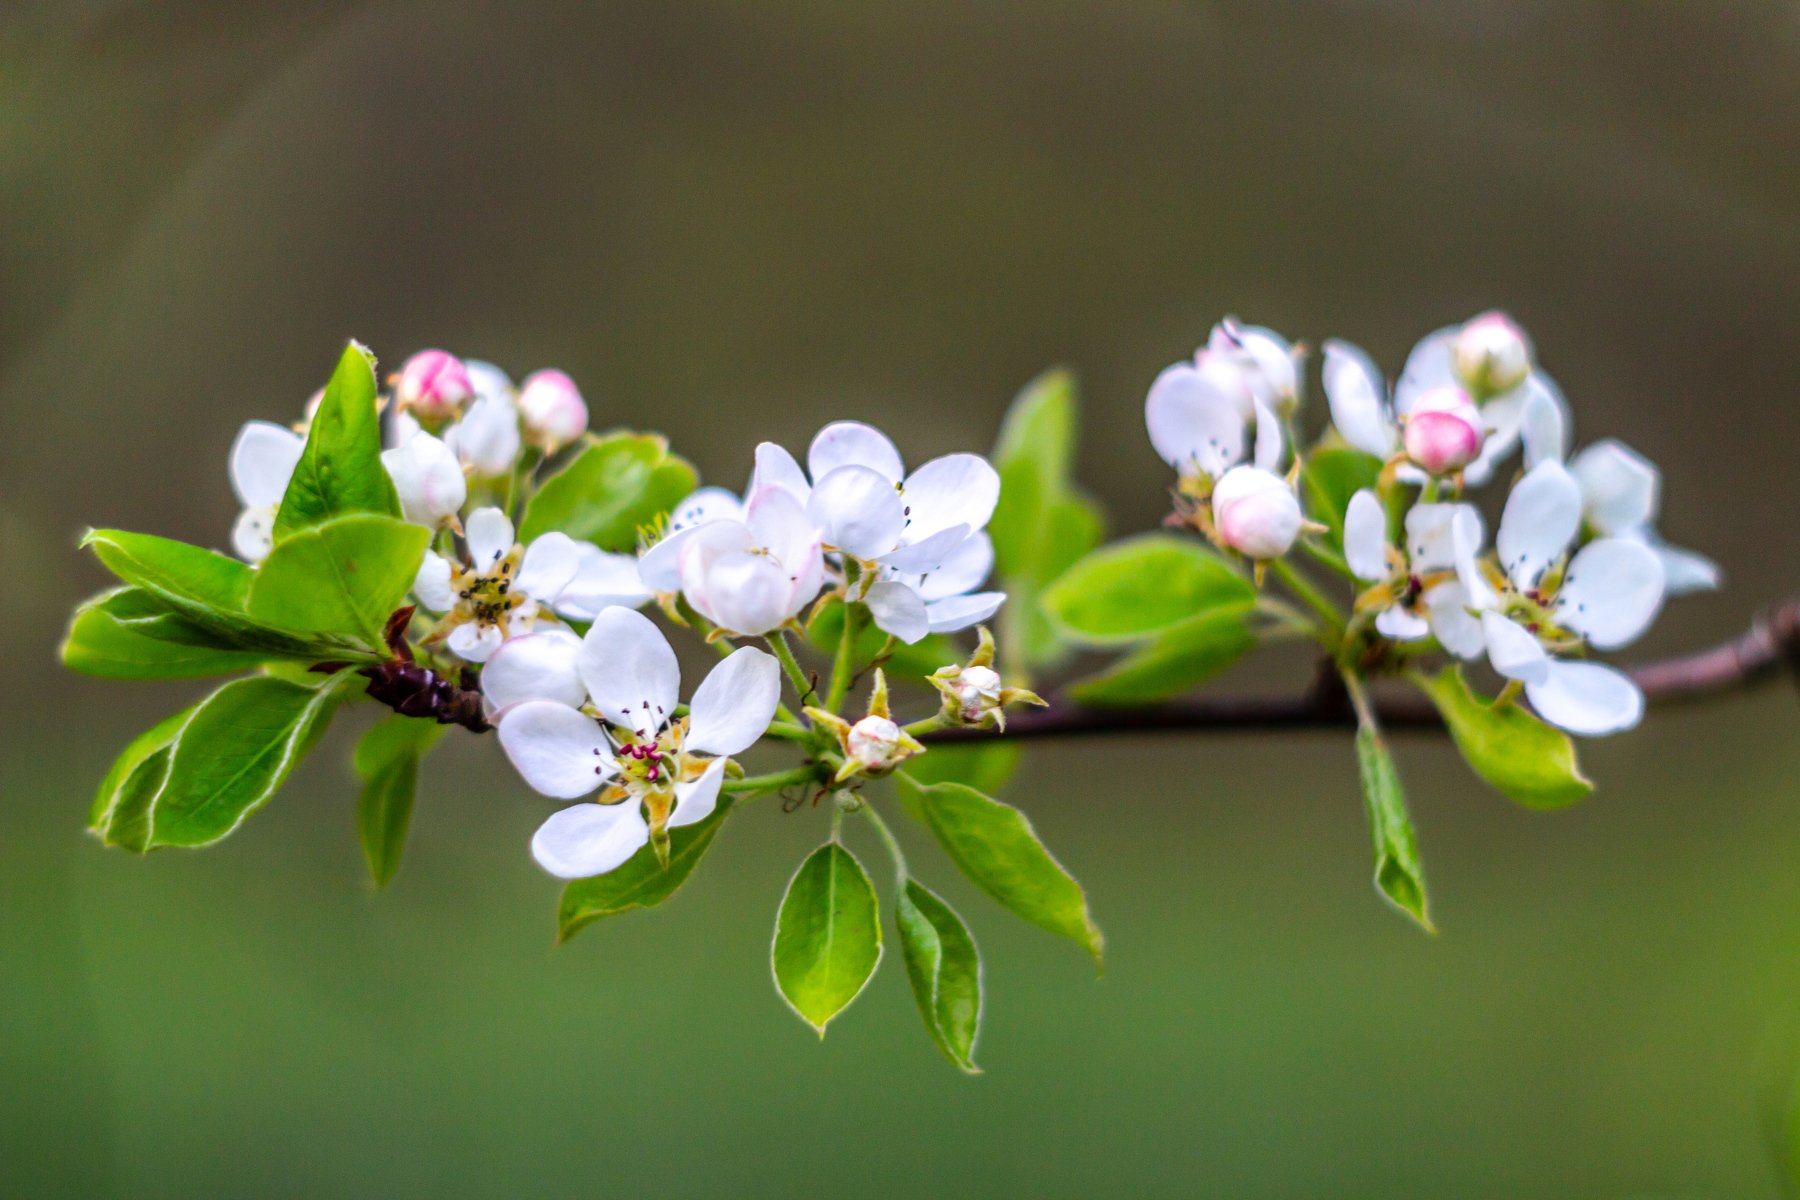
(1365, 536)
(1684, 571)
(432, 586)
(957, 489)
(630, 670)
(859, 510)
(590, 839)
(960, 612)
(1459, 632)
(601, 580)
(898, 610)
(1357, 396)
(1512, 650)
(1541, 518)
(537, 666)
(781, 525)
(1589, 699)
(1545, 431)
(548, 565)
(1194, 423)
(1275, 376)
(1269, 440)
(775, 467)
(741, 592)
(1430, 541)
(474, 642)
(253, 533)
(963, 569)
(696, 800)
(1427, 367)
(1612, 592)
(927, 554)
(1619, 487)
(853, 444)
(488, 380)
(427, 478)
(490, 537)
(707, 504)
(735, 703)
(560, 752)
(1465, 545)
(487, 439)
(1401, 624)
(262, 462)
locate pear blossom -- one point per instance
(1256, 513)
(918, 539)
(1537, 605)
(1255, 365)
(1488, 358)
(554, 412)
(1202, 427)
(1621, 494)
(503, 588)
(428, 478)
(485, 439)
(874, 744)
(747, 577)
(653, 771)
(262, 462)
(1414, 589)
(1441, 432)
(433, 385)
(973, 692)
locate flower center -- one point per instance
(488, 594)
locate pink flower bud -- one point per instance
(1444, 431)
(1256, 513)
(434, 385)
(874, 742)
(553, 410)
(1491, 355)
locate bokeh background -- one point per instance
(736, 221)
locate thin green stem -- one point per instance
(1359, 699)
(785, 654)
(1326, 557)
(842, 667)
(775, 781)
(925, 725)
(1289, 617)
(888, 839)
(789, 732)
(1309, 595)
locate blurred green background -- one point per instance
(735, 221)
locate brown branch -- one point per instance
(1771, 645)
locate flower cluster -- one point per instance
(1576, 564)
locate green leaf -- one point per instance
(1530, 762)
(1041, 526)
(340, 469)
(1398, 875)
(1142, 586)
(192, 581)
(996, 847)
(827, 935)
(1178, 660)
(219, 764)
(930, 652)
(387, 758)
(1032, 456)
(1329, 478)
(145, 746)
(617, 484)
(640, 881)
(344, 577)
(945, 971)
(107, 639)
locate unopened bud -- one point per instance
(433, 385)
(1491, 355)
(873, 742)
(428, 479)
(553, 410)
(1256, 513)
(1444, 431)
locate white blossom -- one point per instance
(553, 410)
(262, 462)
(502, 588)
(428, 478)
(653, 771)
(1440, 431)
(1415, 592)
(1537, 605)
